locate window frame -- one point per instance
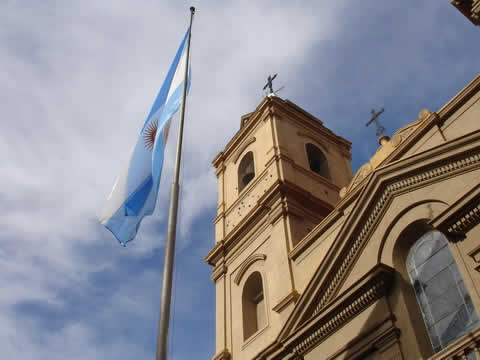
(258, 299)
(427, 302)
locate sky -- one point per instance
(77, 80)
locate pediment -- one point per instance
(322, 299)
(405, 140)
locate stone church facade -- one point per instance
(312, 261)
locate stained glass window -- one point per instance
(444, 301)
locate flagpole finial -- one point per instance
(192, 9)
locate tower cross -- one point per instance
(269, 83)
(375, 115)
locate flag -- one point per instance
(134, 193)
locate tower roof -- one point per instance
(275, 105)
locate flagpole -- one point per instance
(162, 336)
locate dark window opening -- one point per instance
(253, 305)
(317, 161)
(246, 171)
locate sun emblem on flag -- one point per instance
(149, 134)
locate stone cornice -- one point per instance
(460, 348)
(223, 355)
(461, 217)
(313, 235)
(260, 113)
(371, 287)
(282, 304)
(274, 105)
(269, 207)
(469, 8)
(448, 160)
(361, 295)
(405, 137)
(376, 338)
(311, 123)
(387, 189)
(439, 117)
(215, 253)
(218, 271)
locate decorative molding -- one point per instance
(282, 304)
(467, 222)
(459, 349)
(215, 253)
(218, 271)
(316, 141)
(461, 217)
(374, 286)
(386, 148)
(218, 159)
(475, 255)
(372, 201)
(246, 264)
(446, 168)
(245, 118)
(469, 8)
(220, 169)
(278, 107)
(378, 337)
(242, 148)
(223, 355)
(313, 235)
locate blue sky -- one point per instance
(78, 79)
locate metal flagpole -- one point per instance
(162, 337)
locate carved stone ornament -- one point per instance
(384, 150)
(223, 355)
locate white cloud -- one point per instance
(77, 80)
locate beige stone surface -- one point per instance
(331, 249)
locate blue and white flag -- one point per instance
(134, 193)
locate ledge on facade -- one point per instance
(268, 106)
(297, 337)
(460, 348)
(461, 217)
(406, 136)
(271, 204)
(223, 355)
(469, 8)
(282, 304)
(313, 235)
(378, 337)
(213, 255)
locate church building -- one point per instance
(312, 261)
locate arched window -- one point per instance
(246, 171)
(317, 161)
(253, 305)
(444, 301)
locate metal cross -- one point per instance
(269, 83)
(375, 115)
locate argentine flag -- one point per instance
(134, 193)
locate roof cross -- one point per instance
(375, 115)
(270, 83)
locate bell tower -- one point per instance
(278, 177)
